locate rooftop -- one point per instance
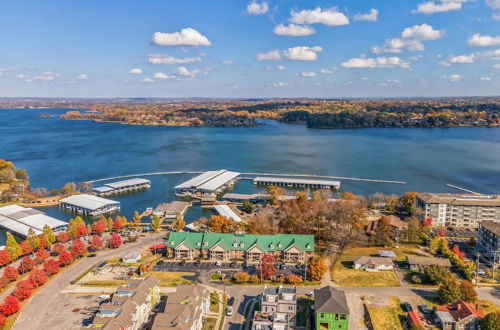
(460, 199)
(297, 181)
(227, 212)
(491, 226)
(427, 261)
(330, 300)
(382, 261)
(89, 202)
(127, 183)
(211, 180)
(20, 219)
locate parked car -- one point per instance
(229, 311)
(230, 301)
(218, 263)
(424, 309)
(182, 263)
(406, 306)
(197, 262)
(232, 264)
(159, 263)
(92, 255)
(481, 272)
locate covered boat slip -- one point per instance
(207, 182)
(89, 204)
(296, 183)
(227, 212)
(19, 220)
(123, 186)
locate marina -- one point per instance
(227, 211)
(207, 183)
(19, 220)
(296, 183)
(89, 205)
(120, 187)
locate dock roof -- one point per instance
(211, 180)
(88, 202)
(20, 220)
(198, 180)
(127, 183)
(297, 181)
(227, 212)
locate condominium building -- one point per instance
(278, 306)
(488, 238)
(459, 210)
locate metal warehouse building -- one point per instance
(89, 205)
(296, 183)
(207, 183)
(19, 220)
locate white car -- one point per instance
(218, 263)
(229, 311)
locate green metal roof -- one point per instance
(267, 243)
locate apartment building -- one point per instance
(459, 210)
(278, 309)
(488, 237)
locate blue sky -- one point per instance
(232, 48)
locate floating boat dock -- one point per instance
(121, 187)
(19, 220)
(89, 205)
(296, 183)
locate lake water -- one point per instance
(54, 152)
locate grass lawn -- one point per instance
(171, 278)
(387, 317)
(209, 323)
(343, 272)
(214, 302)
(488, 307)
(104, 283)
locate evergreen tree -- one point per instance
(12, 247)
(491, 321)
(49, 235)
(468, 292)
(449, 291)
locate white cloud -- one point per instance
(281, 67)
(364, 78)
(328, 71)
(82, 76)
(161, 75)
(147, 81)
(393, 81)
(308, 74)
(444, 63)
(494, 5)
(302, 53)
(330, 17)
(280, 84)
(378, 62)
(492, 54)
(185, 37)
(136, 71)
(167, 59)
(463, 58)
(479, 40)
(371, 16)
(273, 55)
(43, 77)
(485, 78)
(183, 71)
(439, 6)
(256, 8)
(410, 39)
(227, 62)
(496, 66)
(293, 30)
(451, 77)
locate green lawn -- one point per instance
(209, 323)
(343, 272)
(171, 278)
(214, 302)
(104, 283)
(387, 317)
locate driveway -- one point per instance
(47, 309)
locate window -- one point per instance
(343, 317)
(322, 315)
(336, 317)
(290, 308)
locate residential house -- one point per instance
(130, 305)
(414, 319)
(278, 306)
(459, 315)
(387, 254)
(270, 321)
(170, 211)
(331, 309)
(488, 238)
(397, 225)
(184, 309)
(418, 263)
(215, 246)
(132, 256)
(373, 264)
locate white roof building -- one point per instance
(20, 220)
(296, 182)
(227, 212)
(207, 182)
(89, 204)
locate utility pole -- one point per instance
(477, 266)
(495, 256)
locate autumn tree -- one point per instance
(49, 235)
(12, 247)
(51, 267)
(248, 207)
(10, 273)
(219, 224)
(62, 237)
(241, 277)
(9, 306)
(23, 290)
(43, 242)
(449, 291)
(414, 231)
(383, 234)
(408, 202)
(78, 248)
(117, 225)
(316, 269)
(37, 277)
(155, 222)
(69, 189)
(32, 239)
(41, 255)
(58, 248)
(491, 321)
(274, 194)
(179, 223)
(267, 267)
(26, 248)
(65, 258)
(294, 279)
(468, 292)
(81, 230)
(95, 243)
(115, 241)
(137, 218)
(98, 227)
(4, 258)
(3, 320)
(26, 264)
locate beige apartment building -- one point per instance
(459, 210)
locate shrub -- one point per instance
(10, 273)
(26, 265)
(23, 290)
(65, 258)
(37, 277)
(58, 248)
(51, 267)
(9, 306)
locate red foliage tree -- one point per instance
(78, 248)
(98, 227)
(26, 265)
(267, 267)
(65, 258)
(51, 267)
(441, 232)
(9, 306)
(62, 237)
(23, 290)
(58, 248)
(117, 224)
(3, 320)
(4, 258)
(37, 277)
(10, 273)
(95, 243)
(41, 255)
(43, 241)
(81, 230)
(115, 241)
(428, 222)
(26, 248)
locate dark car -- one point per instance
(424, 309)
(197, 263)
(92, 255)
(159, 263)
(406, 306)
(182, 263)
(230, 301)
(232, 264)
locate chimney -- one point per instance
(459, 306)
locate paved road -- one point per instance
(41, 311)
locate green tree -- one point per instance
(12, 247)
(248, 207)
(434, 245)
(435, 274)
(33, 239)
(408, 202)
(491, 321)
(449, 291)
(155, 222)
(468, 292)
(384, 233)
(49, 235)
(414, 231)
(72, 228)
